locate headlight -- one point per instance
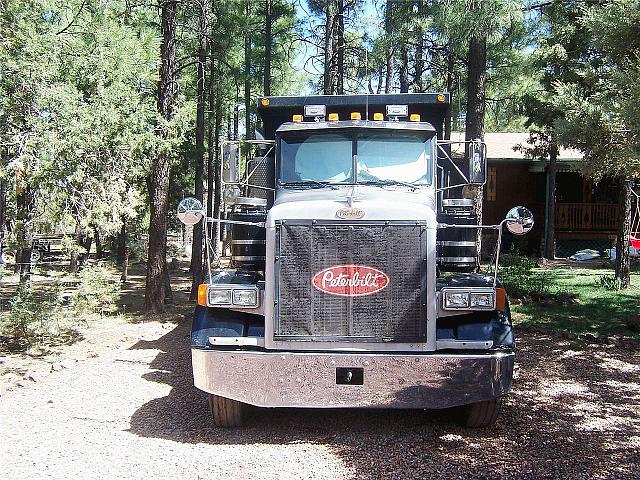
(482, 300)
(456, 300)
(219, 296)
(245, 298)
(229, 294)
(471, 299)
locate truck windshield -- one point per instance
(383, 157)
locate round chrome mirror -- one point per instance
(519, 220)
(190, 211)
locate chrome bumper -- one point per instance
(284, 379)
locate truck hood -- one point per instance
(377, 203)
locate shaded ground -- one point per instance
(574, 413)
(123, 406)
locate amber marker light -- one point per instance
(333, 117)
(501, 299)
(202, 294)
(297, 118)
(264, 102)
(356, 116)
(378, 116)
(441, 98)
(414, 117)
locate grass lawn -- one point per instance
(597, 311)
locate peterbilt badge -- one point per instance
(350, 213)
(350, 280)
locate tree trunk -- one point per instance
(448, 118)
(474, 123)
(550, 239)
(329, 63)
(120, 242)
(404, 69)
(623, 264)
(388, 30)
(3, 210)
(268, 41)
(157, 273)
(341, 48)
(123, 251)
(212, 152)
(98, 240)
(196, 245)
(419, 62)
(24, 233)
(215, 234)
(247, 75)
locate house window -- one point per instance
(491, 184)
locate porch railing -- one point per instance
(586, 216)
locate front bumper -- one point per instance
(287, 379)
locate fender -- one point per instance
(493, 325)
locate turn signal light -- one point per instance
(297, 118)
(264, 102)
(501, 299)
(378, 116)
(441, 98)
(356, 116)
(414, 117)
(202, 294)
(333, 117)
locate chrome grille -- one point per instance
(395, 314)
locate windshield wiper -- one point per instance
(387, 182)
(310, 183)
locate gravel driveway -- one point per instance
(131, 412)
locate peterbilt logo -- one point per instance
(350, 213)
(350, 280)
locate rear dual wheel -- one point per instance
(227, 412)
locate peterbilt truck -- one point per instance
(341, 265)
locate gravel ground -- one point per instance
(130, 412)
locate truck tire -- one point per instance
(226, 412)
(482, 414)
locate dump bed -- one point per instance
(274, 111)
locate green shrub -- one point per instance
(517, 275)
(97, 291)
(28, 318)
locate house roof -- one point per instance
(500, 146)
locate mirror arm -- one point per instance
(242, 184)
(236, 222)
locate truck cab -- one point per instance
(341, 268)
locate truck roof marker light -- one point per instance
(414, 117)
(202, 294)
(440, 98)
(264, 102)
(334, 117)
(297, 118)
(378, 117)
(356, 116)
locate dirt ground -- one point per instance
(120, 404)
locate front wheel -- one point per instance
(226, 412)
(482, 414)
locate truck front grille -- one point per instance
(396, 313)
